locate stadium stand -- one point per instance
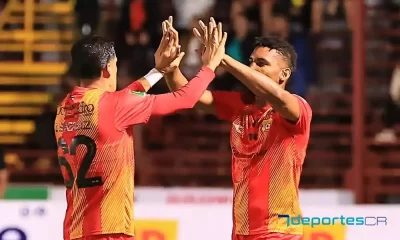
(24, 39)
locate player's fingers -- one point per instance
(173, 37)
(205, 31)
(180, 56)
(174, 64)
(164, 39)
(220, 33)
(223, 41)
(213, 22)
(216, 40)
(163, 33)
(202, 25)
(171, 20)
(170, 40)
(175, 34)
(197, 34)
(164, 28)
(168, 24)
(173, 51)
(210, 28)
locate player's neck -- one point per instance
(95, 83)
(260, 103)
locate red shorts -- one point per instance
(268, 236)
(108, 237)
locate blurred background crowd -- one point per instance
(190, 148)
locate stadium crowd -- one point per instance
(134, 26)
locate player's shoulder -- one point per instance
(303, 101)
(128, 93)
(301, 98)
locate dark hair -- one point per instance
(281, 45)
(90, 55)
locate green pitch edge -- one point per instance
(27, 193)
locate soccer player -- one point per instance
(94, 133)
(269, 137)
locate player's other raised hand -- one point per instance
(214, 40)
(202, 34)
(168, 55)
(174, 34)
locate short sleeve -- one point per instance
(135, 86)
(132, 108)
(303, 123)
(227, 104)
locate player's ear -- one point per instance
(284, 75)
(106, 71)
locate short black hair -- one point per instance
(90, 55)
(281, 45)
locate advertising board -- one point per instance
(42, 220)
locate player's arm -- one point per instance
(285, 103)
(224, 104)
(134, 109)
(146, 82)
(131, 110)
(176, 80)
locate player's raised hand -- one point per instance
(214, 45)
(172, 30)
(202, 35)
(168, 55)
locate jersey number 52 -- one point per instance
(81, 180)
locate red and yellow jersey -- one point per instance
(267, 157)
(94, 133)
(95, 149)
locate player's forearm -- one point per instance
(140, 85)
(185, 97)
(258, 83)
(175, 80)
(146, 82)
(265, 88)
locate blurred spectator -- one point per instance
(295, 20)
(340, 9)
(43, 138)
(134, 38)
(258, 12)
(392, 110)
(3, 174)
(190, 44)
(240, 47)
(222, 16)
(159, 10)
(391, 113)
(3, 4)
(88, 16)
(187, 9)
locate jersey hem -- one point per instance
(260, 232)
(100, 233)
